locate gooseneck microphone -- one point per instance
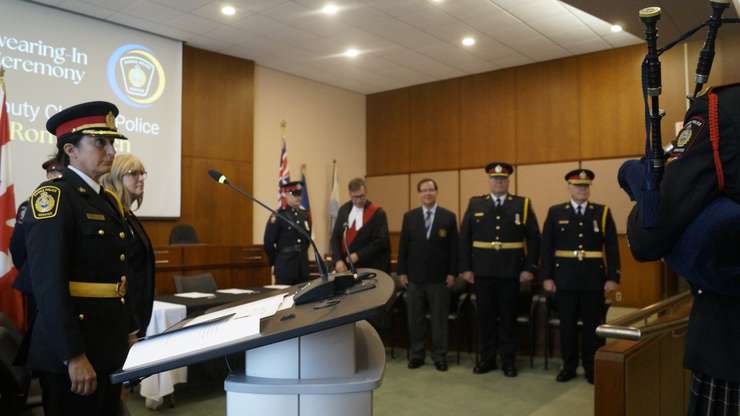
(317, 289)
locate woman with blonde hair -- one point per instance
(126, 180)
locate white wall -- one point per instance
(324, 123)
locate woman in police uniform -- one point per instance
(78, 247)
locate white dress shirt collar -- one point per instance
(88, 180)
(575, 206)
(355, 218)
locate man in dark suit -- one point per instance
(576, 238)
(363, 227)
(78, 253)
(427, 265)
(286, 247)
(495, 230)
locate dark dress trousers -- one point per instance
(286, 248)
(497, 244)
(427, 262)
(140, 293)
(580, 253)
(77, 237)
(371, 243)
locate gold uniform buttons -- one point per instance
(82, 317)
(498, 227)
(123, 301)
(101, 232)
(498, 217)
(123, 257)
(580, 235)
(122, 235)
(580, 246)
(581, 224)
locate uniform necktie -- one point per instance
(498, 202)
(580, 210)
(428, 222)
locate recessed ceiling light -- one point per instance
(351, 53)
(228, 10)
(616, 28)
(468, 41)
(330, 9)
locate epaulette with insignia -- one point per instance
(45, 201)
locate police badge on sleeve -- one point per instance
(45, 202)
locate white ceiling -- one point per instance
(403, 42)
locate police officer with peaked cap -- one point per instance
(577, 237)
(77, 242)
(286, 248)
(499, 248)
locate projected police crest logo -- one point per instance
(136, 76)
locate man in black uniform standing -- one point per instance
(286, 247)
(697, 233)
(499, 248)
(575, 239)
(427, 265)
(77, 239)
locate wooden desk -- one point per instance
(231, 266)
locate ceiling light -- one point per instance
(351, 53)
(468, 41)
(616, 28)
(228, 10)
(437, 1)
(330, 9)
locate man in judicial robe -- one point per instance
(360, 234)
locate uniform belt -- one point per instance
(579, 254)
(291, 249)
(97, 290)
(498, 245)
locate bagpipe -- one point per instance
(687, 195)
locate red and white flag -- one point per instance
(11, 300)
(283, 171)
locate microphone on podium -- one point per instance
(345, 226)
(317, 289)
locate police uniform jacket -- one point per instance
(18, 251)
(371, 243)
(592, 232)
(484, 225)
(140, 291)
(428, 260)
(77, 235)
(286, 248)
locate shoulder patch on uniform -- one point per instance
(273, 219)
(45, 201)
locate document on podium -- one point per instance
(262, 308)
(190, 341)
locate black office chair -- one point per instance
(183, 234)
(552, 323)
(203, 282)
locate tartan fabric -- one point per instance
(713, 397)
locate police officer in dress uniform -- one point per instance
(575, 239)
(77, 241)
(286, 248)
(19, 253)
(499, 248)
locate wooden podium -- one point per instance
(305, 361)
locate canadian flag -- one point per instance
(11, 300)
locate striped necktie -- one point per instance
(428, 222)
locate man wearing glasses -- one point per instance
(286, 248)
(360, 235)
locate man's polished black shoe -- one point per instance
(415, 363)
(590, 376)
(565, 375)
(509, 370)
(485, 366)
(441, 365)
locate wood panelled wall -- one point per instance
(217, 132)
(574, 108)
